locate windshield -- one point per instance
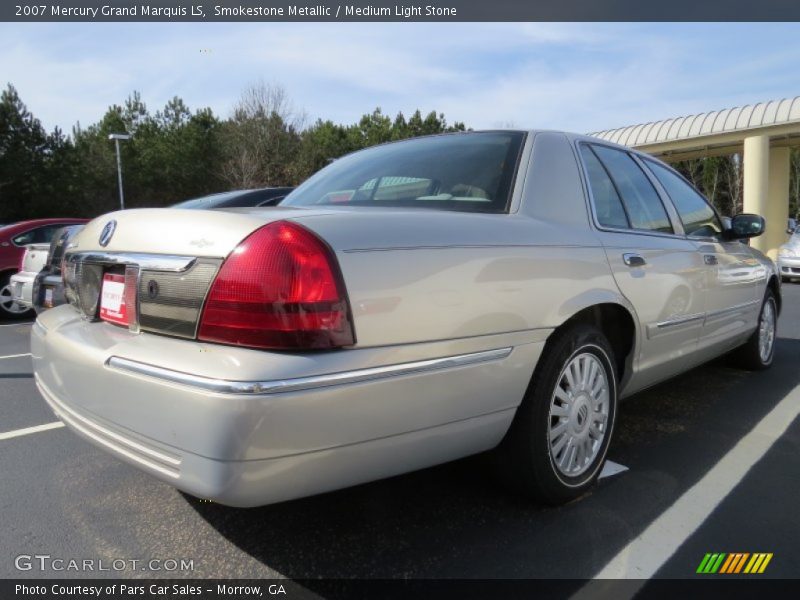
(207, 201)
(461, 172)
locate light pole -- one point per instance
(117, 137)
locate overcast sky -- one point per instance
(578, 77)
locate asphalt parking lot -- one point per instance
(713, 464)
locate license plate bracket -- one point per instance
(114, 299)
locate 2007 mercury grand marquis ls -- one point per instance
(408, 305)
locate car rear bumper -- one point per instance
(22, 287)
(246, 428)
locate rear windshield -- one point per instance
(462, 172)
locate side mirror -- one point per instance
(745, 225)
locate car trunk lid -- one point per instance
(167, 259)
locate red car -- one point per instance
(13, 239)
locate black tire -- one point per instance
(524, 457)
(748, 356)
(6, 314)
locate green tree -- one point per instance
(24, 150)
(175, 153)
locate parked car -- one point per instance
(238, 199)
(789, 257)
(21, 282)
(13, 239)
(48, 286)
(409, 304)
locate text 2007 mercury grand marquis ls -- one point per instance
(408, 305)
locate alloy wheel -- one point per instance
(766, 330)
(579, 411)
(7, 303)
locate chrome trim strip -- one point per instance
(99, 434)
(731, 309)
(680, 320)
(152, 262)
(133, 275)
(224, 386)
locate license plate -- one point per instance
(112, 299)
(48, 297)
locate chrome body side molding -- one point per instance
(224, 386)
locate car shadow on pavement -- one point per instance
(455, 520)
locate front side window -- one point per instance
(698, 218)
(642, 203)
(462, 172)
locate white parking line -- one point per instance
(28, 430)
(611, 468)
(15, 355)
(646, 554)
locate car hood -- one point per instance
(792, 244)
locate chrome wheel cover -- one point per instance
(579, 411)
(8, 304)
(766, 331)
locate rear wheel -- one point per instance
(758, 351)
(9, 308)
(557, 444)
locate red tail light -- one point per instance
(280, 288)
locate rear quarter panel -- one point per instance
(409, 296)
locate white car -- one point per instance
(789, 257)
(33, 261)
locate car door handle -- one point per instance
(710, 259)
(634, 260)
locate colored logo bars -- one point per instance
(735, 562)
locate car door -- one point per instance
(734, 278)
(655, 267)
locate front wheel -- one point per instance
(558, 441)
(757, 352)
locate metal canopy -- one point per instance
(743, 119)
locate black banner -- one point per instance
(379, 10)
(730, 588)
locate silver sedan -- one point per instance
(789, 257)
(408, 305)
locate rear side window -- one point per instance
(698, 218)
(607, 204)
(40, 235)
(642, 203)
